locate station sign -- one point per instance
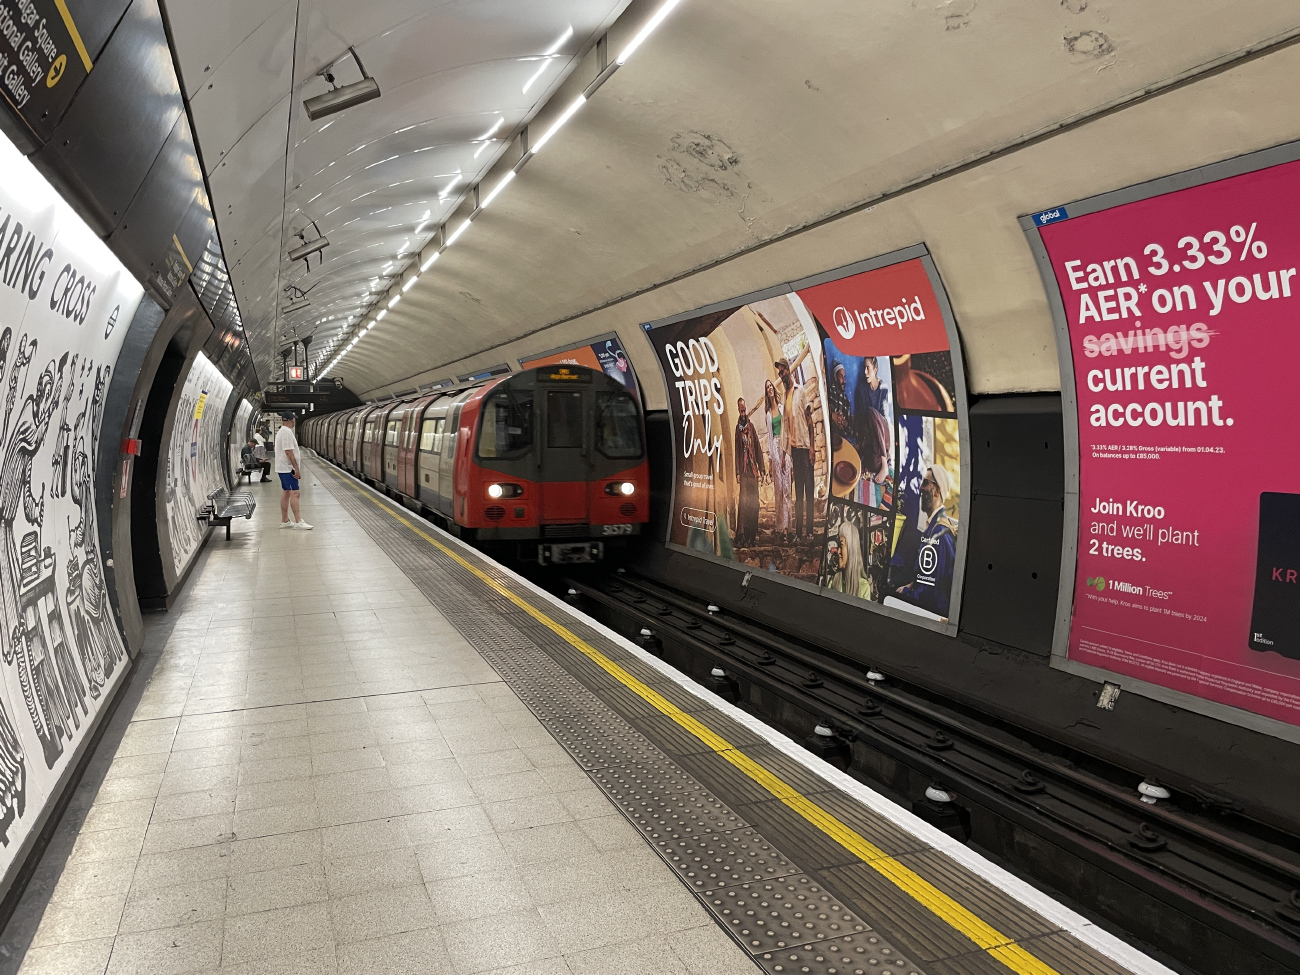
(1176, 308)
(43, 61)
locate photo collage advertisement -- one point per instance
(818, 437)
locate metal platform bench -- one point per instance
(223, 506)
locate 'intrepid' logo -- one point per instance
(848, 321)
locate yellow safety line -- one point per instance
(998, 945)
(177, 242)
(76, 34)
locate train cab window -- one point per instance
(618, 426)
(390, 435)
(507, 423)
(563, 419)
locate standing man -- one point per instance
(286, 465)
(799, 423)
(749, 468)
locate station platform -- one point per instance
(366, 748)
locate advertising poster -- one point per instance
(819, 436)
(604, 353)
(1180, 313)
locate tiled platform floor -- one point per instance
(312, 772)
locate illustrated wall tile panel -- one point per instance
(65, 303)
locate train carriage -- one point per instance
(550, 462)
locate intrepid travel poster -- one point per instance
(818, 435)
(1179, 321)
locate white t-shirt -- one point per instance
(285, 440)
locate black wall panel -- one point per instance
(100, 154)
(171, 202)
(1013, 562)
(1013, 556)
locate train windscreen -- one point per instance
(507, 423)
(563, 419)
(618, 426)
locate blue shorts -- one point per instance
(288, 481)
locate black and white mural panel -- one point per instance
(65, 305)
(194, 467)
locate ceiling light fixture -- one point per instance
(410, 283)
(647, 30)
(344, 97)
(456, 234)
(505, 181)
(382, 313)
(559, 122)
(429, 263)
(394, 300)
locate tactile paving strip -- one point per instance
(782, 913)
(728, 864)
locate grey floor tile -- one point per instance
(183, 904)
(409, 953)
(71, 958)
(375, 913)
(500, 942)
(372, 871)
(281, 887)
(288, 931)
(168, 951)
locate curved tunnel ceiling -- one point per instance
(458, 79)
(739, 121)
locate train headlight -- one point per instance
(625, 488)
(496, 491)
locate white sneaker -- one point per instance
(303, 525)
(286, 524)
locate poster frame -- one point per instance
(1029, 224)
(571, 346)
(916, 251)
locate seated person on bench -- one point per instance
(254, 455)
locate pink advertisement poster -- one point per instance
(1183, 315)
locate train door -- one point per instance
(564, 461)
(392, 444)
(447, 469)
(430, 456)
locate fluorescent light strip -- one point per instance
(429, 263)
(382, 313)
(505, 181)
(456, 234)
(647, 30)
(394, 300)
(559, 123)
(410, 284)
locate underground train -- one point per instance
(550, 461)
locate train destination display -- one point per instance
(1180, 320)
(818, 436)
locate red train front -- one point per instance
(550, 461)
